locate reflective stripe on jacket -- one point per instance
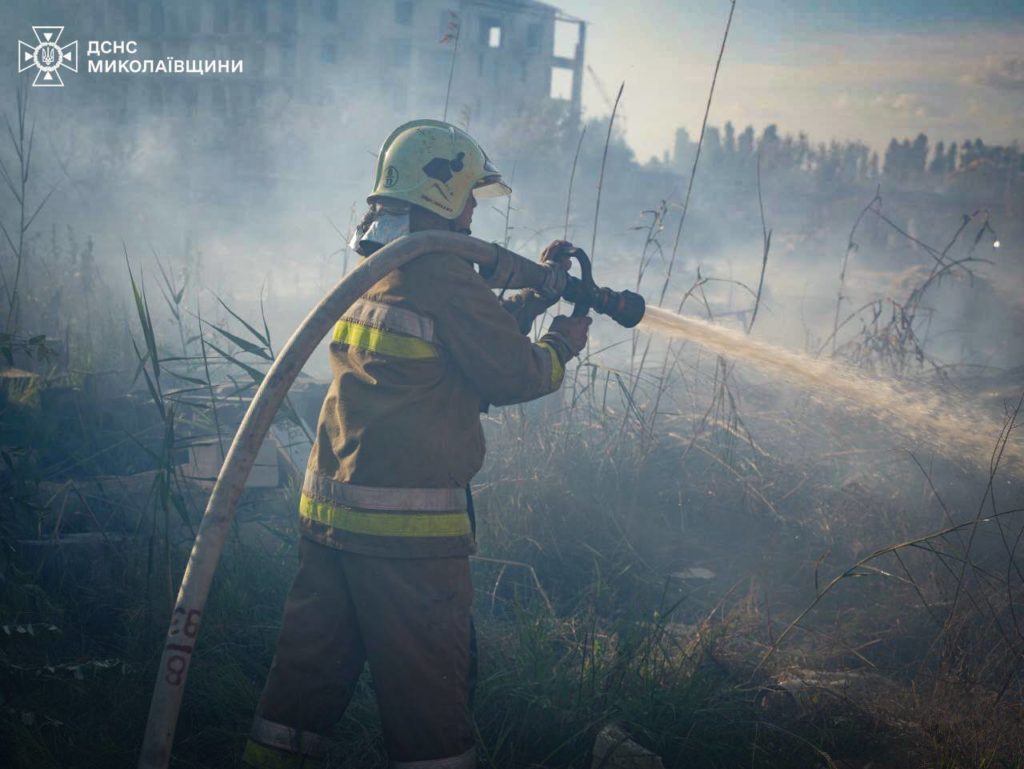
(399, 434)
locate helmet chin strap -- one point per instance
(453, 226)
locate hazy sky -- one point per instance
(855, 69)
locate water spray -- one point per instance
(922, 416)
(502, 267)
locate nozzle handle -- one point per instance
(581, 305)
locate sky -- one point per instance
(857, 69)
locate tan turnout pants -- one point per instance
(410, 620)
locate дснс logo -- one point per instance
(47, 56)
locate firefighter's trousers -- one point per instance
(409, 618)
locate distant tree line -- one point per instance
(905, 161)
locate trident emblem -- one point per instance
(47, 56)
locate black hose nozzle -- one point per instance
(624, 307)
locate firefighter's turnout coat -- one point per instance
(399, 434)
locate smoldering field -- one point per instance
(738, 569)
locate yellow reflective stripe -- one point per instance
(557, 369)
(383, 342)
(453, 524)
(261, 757)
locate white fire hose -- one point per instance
(505, 269)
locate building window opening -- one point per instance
(156, 18)
(192, 18)
(533, 37)
(256, 60)
(567, 38)
(220, 19)
(403, 12)
(329, 10)
(156, 98)
(401, 53)
(218, 99)
(561, 83)
(260, 16)
(191, 99)
(399, 98)
(328, 53)
(289, 15)
(131, 17)
(490, 33)
(173, 20)
(288, 58)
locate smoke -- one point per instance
(255, 207)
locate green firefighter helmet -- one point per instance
(436, 166)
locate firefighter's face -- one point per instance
(465, 219)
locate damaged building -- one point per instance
(324, 52)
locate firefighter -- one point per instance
(383, 571)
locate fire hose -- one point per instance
(500, 267)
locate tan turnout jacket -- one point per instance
(399, 435)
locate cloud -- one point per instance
(904, 104)
(1005, 73)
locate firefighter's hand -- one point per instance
(572, 330)
(558, 252)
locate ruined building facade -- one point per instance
(397, 54)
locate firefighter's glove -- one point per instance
(558, 253)
(570, 333)
(529, 304)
